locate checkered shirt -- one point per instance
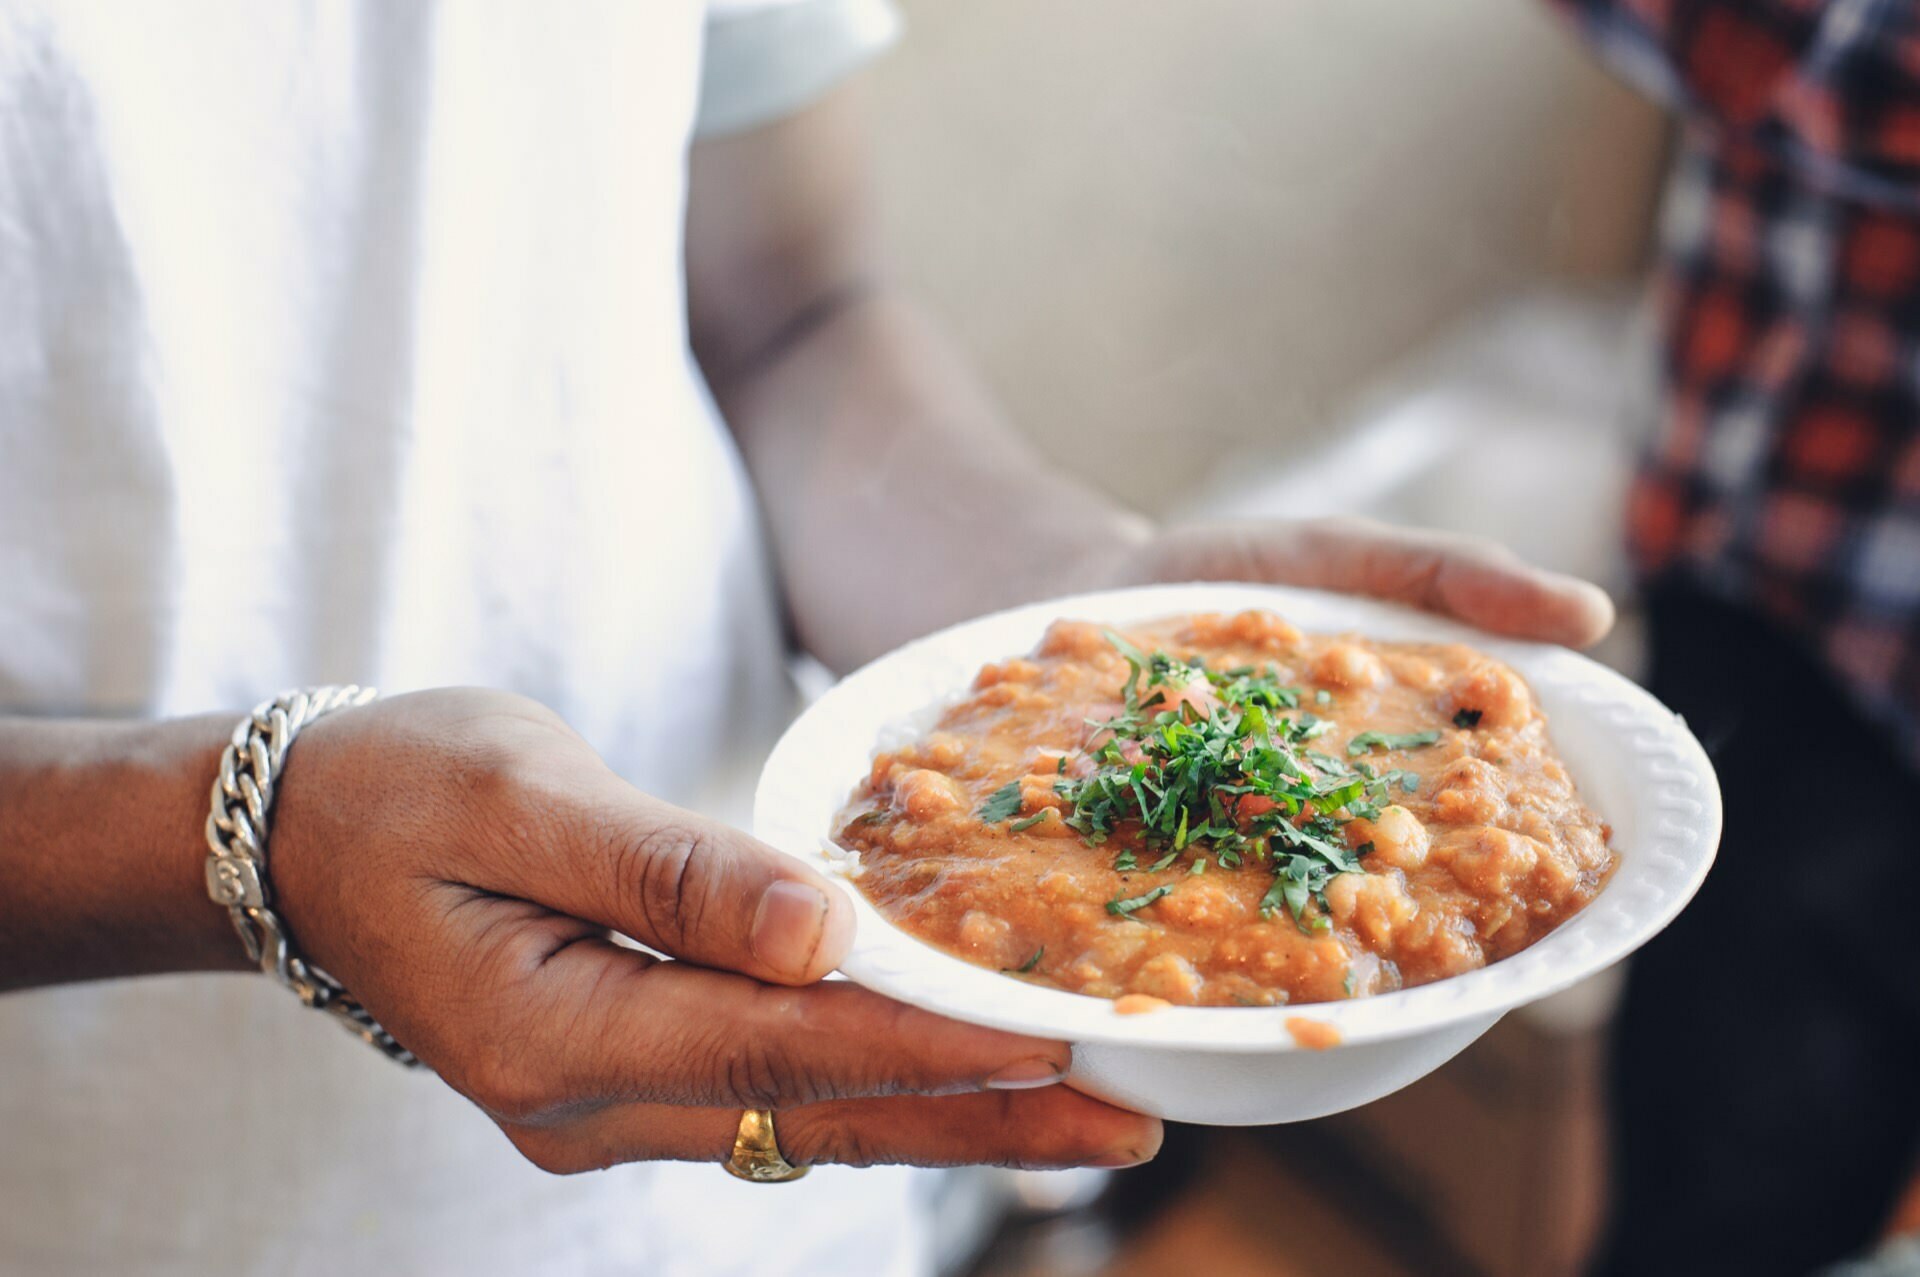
(1785, 475)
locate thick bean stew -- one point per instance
(1221, 810)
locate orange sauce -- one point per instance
(1480, 846)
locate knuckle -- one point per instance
(780, 1049)
(514, 762)
(1474, 556)
(487, 750)
(668, 871)
(767, 1075)
(513, 803)
(829, 1137)
(1340, 527)
(491, 714)
(499, 794)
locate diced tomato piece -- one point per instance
(1246, 807)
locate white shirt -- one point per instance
(346, 343)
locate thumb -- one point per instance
(690, 887)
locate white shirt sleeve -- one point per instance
(765, 59)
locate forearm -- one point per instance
(101, 850)
(899, 498)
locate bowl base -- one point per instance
(1262, 1088)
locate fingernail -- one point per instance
(787, 928)
(1116, 1161)
(1024, 1075)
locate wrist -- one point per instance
(101, 829)
(155, 780)
(239, 830)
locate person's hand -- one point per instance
(1477, 581)
(457, 859)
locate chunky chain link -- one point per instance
(237, 853)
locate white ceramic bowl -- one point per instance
(1634, 761)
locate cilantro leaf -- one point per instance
(1138, 663)
(1328, 763)
(1121, 908)
(1002, 803)
(1468, 718)
(1389, 740)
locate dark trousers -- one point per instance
(1766, 1063)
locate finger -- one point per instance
(1036, 1129)
(606, 1025)
(1481, 582)
(676, 881)
(1478, 581)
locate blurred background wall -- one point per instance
(1176, 231)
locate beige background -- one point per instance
(1175, 231)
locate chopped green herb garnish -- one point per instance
(1468, 718)
(1244, 686)
(1331, 798)
(1034, 961)
(1230, 779)
(1328, 763)
(1002, 803)
(1136, 661)
(1323, 697)
(1389, 740)
(1028, 822)
(1346, 984)
(1124, 908)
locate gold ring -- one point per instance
(756, 1152)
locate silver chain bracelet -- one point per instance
(237, 860)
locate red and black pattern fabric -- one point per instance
(1785, 476)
